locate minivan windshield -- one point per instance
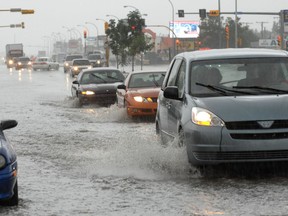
(249, 76)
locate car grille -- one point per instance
(254, 130)
(248, 125)
(225, 156)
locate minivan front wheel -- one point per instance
(181, 138)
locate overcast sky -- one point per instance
(51, 15)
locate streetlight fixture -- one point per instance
(23, 11)
(97, 32)
(125, 6)
(108, 15)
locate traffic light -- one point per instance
(106, 25)
(178, 42)
(27, 11)
(133, 28)
(181, 13)
(85, 34)
(202, 13)
(227, 33)
(279, 40)
(22, 25)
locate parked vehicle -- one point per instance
(22, 62)
(139, 92)
(8, 167)
(226, 105)
(45, 63)
(68, 61)
(13, 51)
(77, 65)
(97, 85)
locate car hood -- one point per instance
(112, 87)
(145, 92)
(246, 108)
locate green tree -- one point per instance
(126, 38)
(209, 33)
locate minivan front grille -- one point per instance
(249, 125)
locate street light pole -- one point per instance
(220, 25)
(174, 44)
(236, 23)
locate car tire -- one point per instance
(181, 138)
(13, 201)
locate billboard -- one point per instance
(185, 29)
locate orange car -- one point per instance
(139, 93)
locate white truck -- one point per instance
(13, 51)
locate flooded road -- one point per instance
(97, 161)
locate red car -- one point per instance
(139, 93)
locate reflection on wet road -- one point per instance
(97, 161)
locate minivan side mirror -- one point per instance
(122, 86)
(171, 92)
(7, 124)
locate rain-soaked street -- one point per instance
(96, 161)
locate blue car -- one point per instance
(8, 167)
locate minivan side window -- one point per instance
(181, 78)
(173, 73)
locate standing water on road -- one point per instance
(96, 161)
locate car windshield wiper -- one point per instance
(213, 88)
(261, 88)
(221, 89)
(115, 78)
(99, 78)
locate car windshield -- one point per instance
(42, 60)
(81, 62)
(70, 58)
(146, 80)
(23, 59)
(94, 57)
(102, 76)
(250, 76)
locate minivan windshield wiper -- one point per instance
(273, 90)
(221, 90)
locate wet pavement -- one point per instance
(96, 161)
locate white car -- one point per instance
(45, 63)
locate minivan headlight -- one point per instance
(2, 161)
(204, 117)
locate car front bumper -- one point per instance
(214, 145)
(142, 109)
(8, 178)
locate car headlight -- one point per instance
(87, 93)
(204, 117)
(75, 68)
(29, 63)
(98, 61)
(19, 63)
(10, 62)
(143, 99)
(66, 64)
(2, 161)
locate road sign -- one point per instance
(214, 13)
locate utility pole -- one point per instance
(262, 29)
